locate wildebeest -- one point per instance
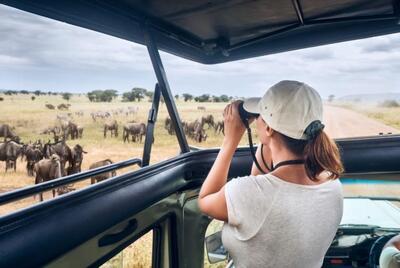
(50, 130)
(56, 131)
(73, 130)
(75, 159)
(46, 170)
(219, 126)
(102, 176)
(50, 106)
(61, 149)
(7, 132)
(168, 126)
(79, 113)
(201, 108)
(195, 131)
(80, 132)
(199, 133)
(63, 106)
(99, 114)
(137, 130)
(33, 155)
(112, 127)
(209, 120)
(69, 129)
(9, 152)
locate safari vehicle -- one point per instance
(75, 231)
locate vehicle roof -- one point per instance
(215, 31)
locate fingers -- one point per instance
(225, 110)
(228, 110)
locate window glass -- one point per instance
(136, 255)
(77, 83)
(389, 189)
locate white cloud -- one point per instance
(53, 55)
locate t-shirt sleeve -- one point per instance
(248, 200)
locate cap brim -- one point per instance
(251, 105)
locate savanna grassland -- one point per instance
(31, 117)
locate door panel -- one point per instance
(66, 228)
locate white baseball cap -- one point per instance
(288, 107)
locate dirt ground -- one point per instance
(343, 123)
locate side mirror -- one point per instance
(215, 250)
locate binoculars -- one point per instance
(245, 116)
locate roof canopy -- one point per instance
(217, 31)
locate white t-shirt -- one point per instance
(275, 223)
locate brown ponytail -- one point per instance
(320, 154)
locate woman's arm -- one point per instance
(267, 157)
(212, 195)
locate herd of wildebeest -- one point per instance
(53, 159)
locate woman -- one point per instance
(289, 216)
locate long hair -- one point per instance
(319, 153)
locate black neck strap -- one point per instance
(288, 162)
(270, 168)
(283, 163)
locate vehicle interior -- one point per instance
(74, 231)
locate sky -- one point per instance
(38, 53)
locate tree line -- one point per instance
(138, 94)
(27, 92)
(135, 94)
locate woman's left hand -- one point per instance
(233, 126)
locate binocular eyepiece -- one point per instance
(245, 116)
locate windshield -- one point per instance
(88, 87)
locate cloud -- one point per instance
(383, 44)
(36, 52)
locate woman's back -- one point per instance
(275, 223)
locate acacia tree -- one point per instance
(187, 97)
(102, 95)
(202, 98)
(136, 93)
(66, 96)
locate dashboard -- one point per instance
(357, 246)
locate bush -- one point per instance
(202, 98)
(187, 97)
(389, 104)
(33, 98)
(1, 98)
(102, 95)
(66, 96)
(136, 93)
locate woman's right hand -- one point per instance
(233, 126)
